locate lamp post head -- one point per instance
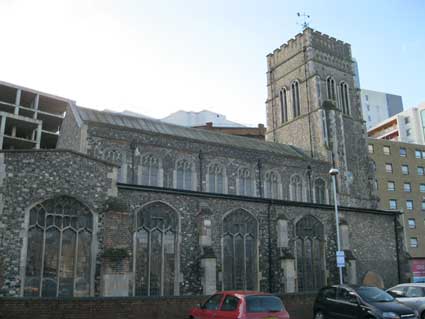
(333, 172)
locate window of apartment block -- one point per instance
(393, 203)
(406, 120)
(423, 154)
(418, 154)
(422, 188)
(413, 242)
(420, 170)
(412, 223)
(386, 150)
(407, 187)
(405, 169)
(423, 205)
(403, 152)
(409, 204)
(408, 132)
(367, 97)
(391, 186)
(389, 167)
(370, 148)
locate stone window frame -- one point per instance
(122, 162)
(276, 173)
(257, 246)
(177, 246)
(94, 249)
(208, 176)
(292, 188)
(141, 167)
(193, 170)
(326, 190)
(322, 247)
(344, 98)
(283, 100)
(331, 92)
(296, 103)
(251, 177)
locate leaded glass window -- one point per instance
(244, 182)
(184, 175)
(271, 185)
(150, 171)
(239, 251)
(155, 250)
(343, 87)
(296, 188)
(309, 248)
(216, 179)
(330, 87)
(58, 260)
(320, 191)
(283, 105)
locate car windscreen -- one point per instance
(263, 304)
(373, 294)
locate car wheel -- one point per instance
(320, 315)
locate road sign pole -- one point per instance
(333, 173)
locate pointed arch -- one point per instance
(296, 107)
(216, 178)
(320, 192)
(117, 156)
(59, 250)
(272, 184)
(155, 250)
(344, 94)
(309, 245)
(240, 250)
(331, 88)
(184, 174)
(245, 182)
(296, 188)
(283, 99)
(150, 170)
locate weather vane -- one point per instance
(305, 23)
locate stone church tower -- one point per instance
(313, 104)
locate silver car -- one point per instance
(412, 295)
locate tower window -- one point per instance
(330, 86)
(283, 105)
(296, 99)
(345, 100)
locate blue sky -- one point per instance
(157, 57)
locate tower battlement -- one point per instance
(310, 38)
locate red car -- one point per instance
(240, 305)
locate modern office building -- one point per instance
(30, 119)
(379, 106)
(407, 126)
(192, 119)
(400, 174)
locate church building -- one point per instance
(128, 206)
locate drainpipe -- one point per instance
(260, 181)
(133, 154)
(269, 228)
(200, 170)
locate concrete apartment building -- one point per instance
(379, 106)
(407, 126)
(400, 174)
(30, 119)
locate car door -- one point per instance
(210, 307)
(414, 297)
(229, 308)
(346, 306)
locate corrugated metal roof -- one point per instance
(156, 126)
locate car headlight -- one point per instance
(391, 315)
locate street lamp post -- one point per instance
(334, 172)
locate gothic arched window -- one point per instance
(244, 182)
(155, 251)
(309, 248)
(184, 175)
(59, 253)
(117, 157)
(271, 185)
(283, 105)
(216, 179)
(296, 99)
(150, 174)
(320, 191)
(296, 188)
(239, 251)
(345, 99)
(330, 87)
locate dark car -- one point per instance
(359, 302)
(240, 305)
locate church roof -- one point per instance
(156, 126)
